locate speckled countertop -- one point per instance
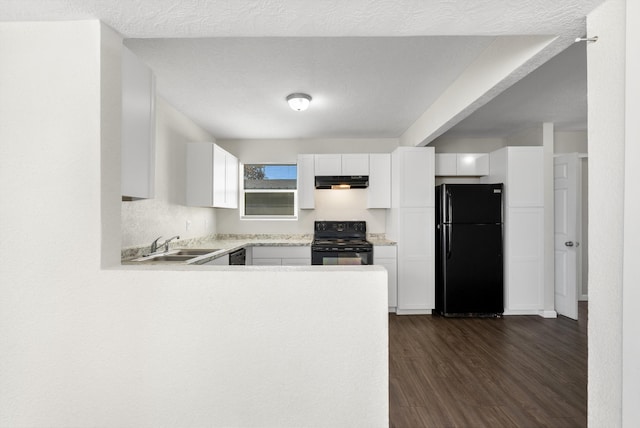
(226, 244)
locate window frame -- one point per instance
(243, 191)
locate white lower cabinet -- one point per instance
(386, 256)
(302, 261)
(416, 260)
(282, 256)
(267, 262)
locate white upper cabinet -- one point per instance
(345, 164)
(138, 128)
(306, 182)
(473, 163)
(232, 166)
(355, 164)
(328, 164)
(462, 164)
(212, 176)
(379, 191)
(376, 165)
(446, 164)
(218, 184)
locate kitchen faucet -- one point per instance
(154, 244)
(166, 243)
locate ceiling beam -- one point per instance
(505, 61)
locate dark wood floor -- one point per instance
(517, 371)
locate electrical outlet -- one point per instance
(187, 225)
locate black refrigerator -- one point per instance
(469, 256)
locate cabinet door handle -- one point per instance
(569, 244)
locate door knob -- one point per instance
(569, 243)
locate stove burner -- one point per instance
(341, 242)
(341, 234)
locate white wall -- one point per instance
(631, 276)
(570, 142)
(85, 345)
(606, 118)
(166, 215)
(585, 229)
(330, 204)
(529, 137)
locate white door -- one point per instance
(567, 203)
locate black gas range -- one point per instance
(341, 243)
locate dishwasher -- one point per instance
(238, 257)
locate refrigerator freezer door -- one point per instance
(470, 274)
(471, 203)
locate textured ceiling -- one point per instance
(229, 64)
(361, 87)
(286, 18)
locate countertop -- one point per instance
(229, 243)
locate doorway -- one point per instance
(570, 232)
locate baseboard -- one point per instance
(392, 309)
(583, 298)
(540, 312)
(521, 312)
(413, 311)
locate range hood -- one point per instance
(342, 181)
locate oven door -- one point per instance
(333, 257)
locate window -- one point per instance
(269, 191)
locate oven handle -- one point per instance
(341, 250)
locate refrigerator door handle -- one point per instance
(449, 206)
(447, 244)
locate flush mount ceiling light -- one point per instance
(299, 101)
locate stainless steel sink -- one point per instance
(194, 251)
(171, 258)
(179, 255)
